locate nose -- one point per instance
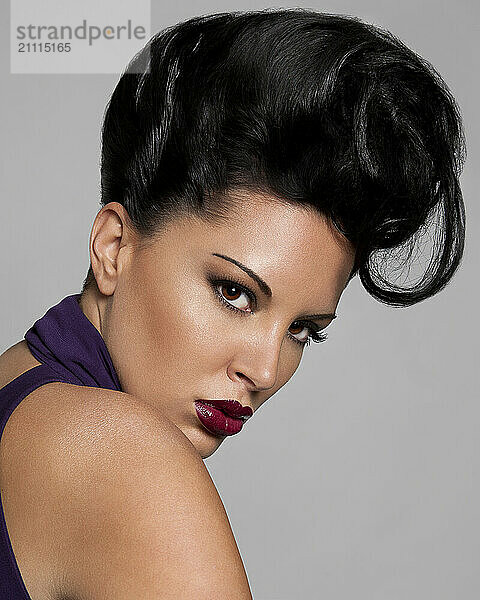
(256, 364)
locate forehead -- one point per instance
(285, 242)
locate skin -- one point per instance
(171, 338)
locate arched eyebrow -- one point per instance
(265, 287)
(321, 316)
(261, 284)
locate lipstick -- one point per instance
(222, 417)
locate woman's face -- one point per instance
(187, 322)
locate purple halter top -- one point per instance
(71, 350)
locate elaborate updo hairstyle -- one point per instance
(313, 109)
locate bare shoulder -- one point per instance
(126, 503)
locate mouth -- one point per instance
(232, 408)
(222, 417)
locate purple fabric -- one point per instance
(71, 350)
(66, 341)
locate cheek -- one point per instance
(185, 321)
(289, 363)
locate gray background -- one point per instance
(374, 494)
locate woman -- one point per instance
(252, 165)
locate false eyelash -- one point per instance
(319, 336)
(314, 336)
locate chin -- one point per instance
(204, 442)
(205, 454)
(206, 447)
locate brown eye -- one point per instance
(235, 296)
(232, 292)
(300, 327)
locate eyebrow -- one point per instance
(266, 289)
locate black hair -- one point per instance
(315, 109)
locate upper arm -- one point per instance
(140, 516)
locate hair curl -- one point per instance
(315, 109)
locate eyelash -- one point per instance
(314, 335)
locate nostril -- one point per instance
(251, 384)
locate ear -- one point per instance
(111, 241)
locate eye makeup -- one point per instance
(217, 281)
(266, 289)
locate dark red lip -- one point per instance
(232, 408)
(217, 421)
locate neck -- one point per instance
(93, 305)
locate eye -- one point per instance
(310, 333)
(234, 295)
(240, 299)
